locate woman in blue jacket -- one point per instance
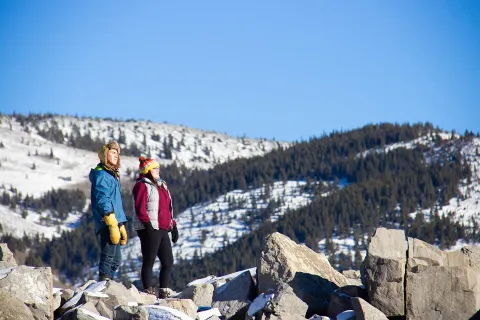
(107, 208)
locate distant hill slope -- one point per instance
(171, 143)
(39, 153)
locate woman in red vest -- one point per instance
(153, 220)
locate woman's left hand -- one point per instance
(174, 234)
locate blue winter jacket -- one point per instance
(105, 196)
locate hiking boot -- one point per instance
(150, 290)
(163, 293)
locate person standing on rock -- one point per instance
(107, 208)
(153, 220)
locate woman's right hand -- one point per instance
(149, 228)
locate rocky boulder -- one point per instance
(385, 271)
(184, 305)
(354, 277)
(232, 309)
(340, 299)
(200, 294)
(13, 308)
(285, 303)
(365, 311)
(32, 286)
(442, 285)
(307, 272)
(6, 257)
(240, 288)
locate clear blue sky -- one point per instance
(283, 69)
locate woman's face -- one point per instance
(155, 173)
(112, 157)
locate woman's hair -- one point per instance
(151, 178)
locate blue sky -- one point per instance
(276, 69)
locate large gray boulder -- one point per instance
(440, 292)
(285, 303)
(103, 309)
(12, 308)
(66, 295)
(97, 300)
(307, 272)
(233, 309)
(239, 288)
(234, 297)
(142, 297)
(365, 311)
(200, 294)
(385, 271)
(81, 313)
(57, 300)
(421, 253)
(69, 304)
(186, 306)
(118, 294)
(354, 277)
(442, 285)
(32, 286)
(340, 299)
(6, 257)
(467, 256)
(90, 306)
(92, 294)
(129, 313)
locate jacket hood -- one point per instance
(93, 173)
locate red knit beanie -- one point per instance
(147, 164)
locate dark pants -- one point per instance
(110, 256)
(156, 244)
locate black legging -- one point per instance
(156, 244)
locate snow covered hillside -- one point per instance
(170, 143)
(207, 227)
(466, 207)
(33, 165)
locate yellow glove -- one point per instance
(123, 235)
(112, 224)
